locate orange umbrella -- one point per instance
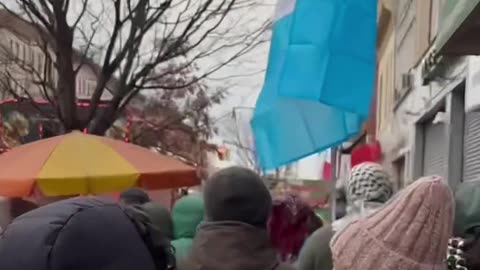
(78, 163)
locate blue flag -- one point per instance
(319, 80)
(325, 51)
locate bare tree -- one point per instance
(149, 123)
(235, 130)
(137, 42)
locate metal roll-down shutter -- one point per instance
(434, 154)
(471, 147)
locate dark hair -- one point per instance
(163, 253)
(472, 249)
(314, 222)
(472, 255)
(19, 206)
(291, 222)
(464, 252)
(134, 196)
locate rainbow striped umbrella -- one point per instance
(78, 163)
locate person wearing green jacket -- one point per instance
(187, 214)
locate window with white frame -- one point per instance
(85, 88)
(77, 86)
(31, 57)
(16, 51)
(24, 53)
(80, 89)
(20, 52)
(39, 66)
(90, 87)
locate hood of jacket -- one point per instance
(160, 217)
(467, 209)
(76, 234)
(231, 246)
(187, 214)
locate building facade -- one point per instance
(428, 120)
(28, 75)
(28, 57)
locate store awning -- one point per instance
(459, 25)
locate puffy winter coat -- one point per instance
(76, 234)
(187, 214)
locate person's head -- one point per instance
(280, 190)
(237, 194)
(19, 206)
(368, 182)
(291, 222)
(467, 222)
(160, 217)
(341, 203)
(187, 214)
(135, 196)
(410, 232)
(84, 233)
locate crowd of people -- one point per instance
(234, 224)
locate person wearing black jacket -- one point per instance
(84, 233)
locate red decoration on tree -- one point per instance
(127, 130)
(40, 130)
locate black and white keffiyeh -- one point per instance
(456, 254)
(369, 182)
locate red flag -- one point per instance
(326, 171)
(366, 153)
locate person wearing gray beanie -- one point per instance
(237, 194)
(234, 234)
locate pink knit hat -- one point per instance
(410, 233)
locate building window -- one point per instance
(85, 88)
(41, 63)
(77, 86)
(31, 58)
(90, 85)
(80, 90)
(405, 58)
(20, 52)
(17, 50)
(24, 48)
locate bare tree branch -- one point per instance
(152, 45)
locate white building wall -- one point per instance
(400, 139)
(34, 55)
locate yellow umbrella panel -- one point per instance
(77, 163)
